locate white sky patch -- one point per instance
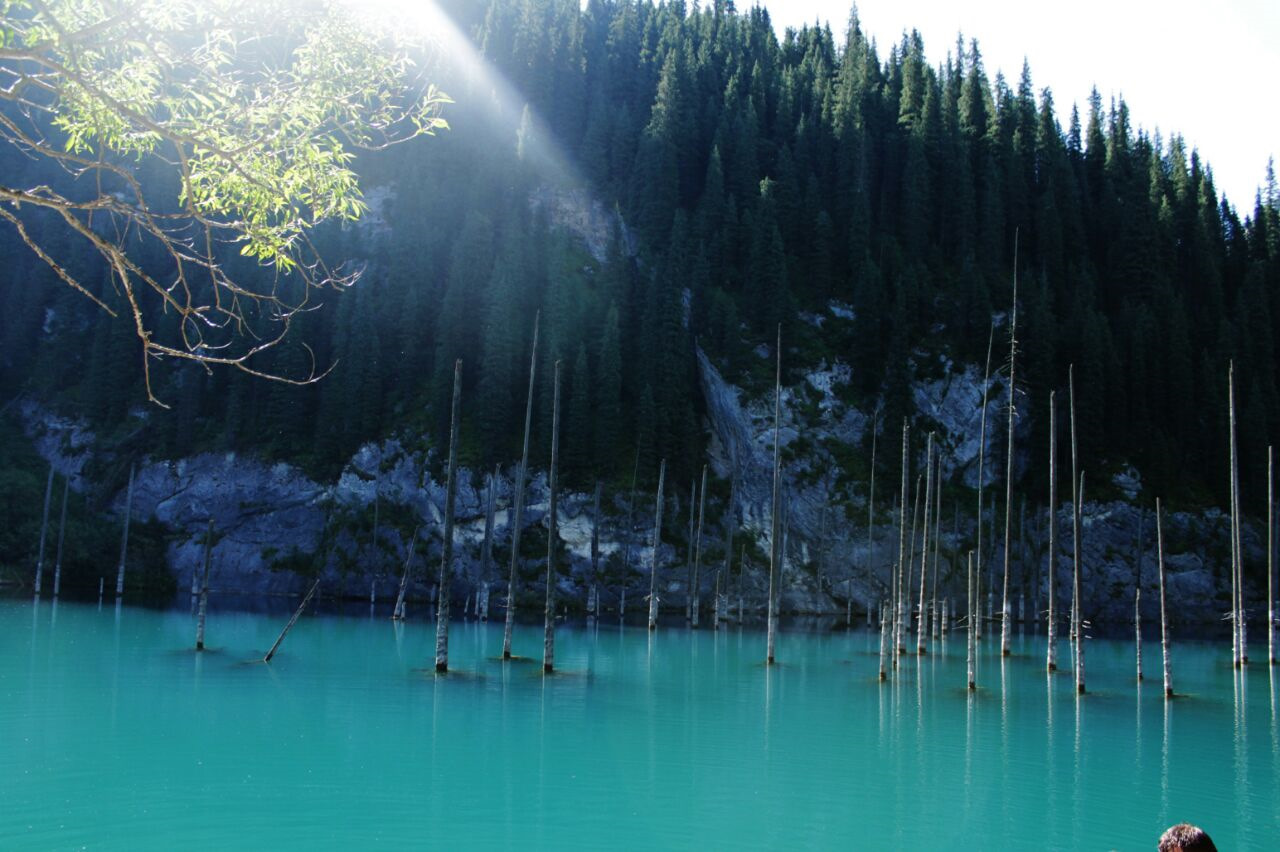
(1205, 70)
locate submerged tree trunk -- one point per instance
(549, 613)
(982, 461)
(204, 587)
(593, 599)
(44, 529)
(1008, 467)
(898, 591)
(1271, 550)
(696, 591)
(934, 621)
(775, 538)
(1238, 656)
(731, 525)
(1164, 621)
(1077, 494)
(871, 516)
(397, 614)
(884, 636)
(517, 512)
(921, 625)
(486, 548)
(907, 605)
(124, 540)
(1137, 600)
(1052, 652)
(972, 639)
(657, 542)
(296, 615)
(626, 545)
(446, 558)
(62, 532)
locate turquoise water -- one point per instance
(113, 734)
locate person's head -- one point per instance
(1185, 837)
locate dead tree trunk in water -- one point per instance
(1077, 494)
(910, 570)
(982, 458)
(593, 596)
(397, 614)
(44, 528)
(934, 625)
(549, 613)
(972, 641)
(486, 549)
(1137, 600)
(898, 592)
(1008, 468)
(626, 547)
(688, 565)
(446, 558)
(871, 515)
(657, 542)
(204, 587)
(296, 615)
(697, 550)
(922, 626)
(62, 532)
(124, 541)
(1052, 652)
(731, 524)
(1271, 550)
(517, 516)
(1164, 621)
(1238, 655)
(775, 538)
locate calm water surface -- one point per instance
(114, 734)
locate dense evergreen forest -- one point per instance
(760, 179)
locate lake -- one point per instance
(114, 733)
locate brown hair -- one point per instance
(1185, 837)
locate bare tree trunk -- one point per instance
(517, 512)
(884, 636)
(62, 532)
(1164, 621)
(44, 529)
(972, 638)
(626, 546)
(1052, 653)
(1008, 467)
(731, 525)
(822, 538)
(1077, 494)
(910, 571)
(898, 592)
(657, 542)
(204, 587)
(871, 517)
(1237, 643)
(486, 549)
(775, 537)
(982, 458)
(593, 601)
(296, 615)
(934, 621)
(1271, 549)
(446, 559)
(553, 533)
(397, 614)
(124, 540)
(697, 550)
(1137, 600)
(922, 627)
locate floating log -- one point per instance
(62, 532)
(44, 529)
(296, 615)
(517, 515)
(204, 587)
(124, 541)
(549, 612)
(1164, 621)
(446, 558)
(657, 542)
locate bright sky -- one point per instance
(1206, 70)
